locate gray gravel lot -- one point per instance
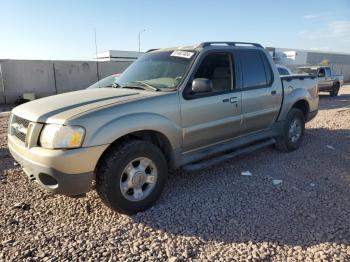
(212, 215)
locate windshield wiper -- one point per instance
(129, 85)
(115, 85)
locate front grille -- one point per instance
(19, 127)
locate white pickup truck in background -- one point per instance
(327, 81)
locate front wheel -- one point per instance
(293, 131)
(131, 176)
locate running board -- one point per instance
(216, 160)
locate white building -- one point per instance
(118, 56)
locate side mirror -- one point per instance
(202, 85)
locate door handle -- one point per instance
(273, 92)
(233, 100)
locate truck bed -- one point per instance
(297, 76)
(294, 87)
(295, 82)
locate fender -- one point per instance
(116, 128)
(292, 96)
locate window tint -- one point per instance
(268, 70)
(283, 71)
(217, 68)
(328, 72)
(252, 69)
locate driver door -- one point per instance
(214, 116)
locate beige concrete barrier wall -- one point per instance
(71, 76)
(27, 76)
(46, 78)
(109, 68)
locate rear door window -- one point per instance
(253, 70)
(328, 72)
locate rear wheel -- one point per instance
(131, 176)
(335, 90)
(293, 131)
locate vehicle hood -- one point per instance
(60, 108)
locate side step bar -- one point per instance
(216, 160)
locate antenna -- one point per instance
(98, 73)
(3, 84)
(140, 32)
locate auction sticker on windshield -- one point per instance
(184, 54)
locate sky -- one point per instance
(43, 29)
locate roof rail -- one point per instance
(205, 44)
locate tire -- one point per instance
(335, 90)
(289, 140)
(122, 173)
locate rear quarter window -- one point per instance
(282, 71)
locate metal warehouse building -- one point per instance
(293, 58)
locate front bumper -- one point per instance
(67, 172)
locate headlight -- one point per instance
(59, 136)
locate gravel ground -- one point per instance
(212, 215)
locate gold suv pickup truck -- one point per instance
(171, 108)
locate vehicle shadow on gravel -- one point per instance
(311, 205)
(328, 102)
(6, 160)
(4, 152)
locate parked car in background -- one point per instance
(171, 108)
(327, 81)
(108, 81)
(283, 70)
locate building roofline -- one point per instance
(309, 50)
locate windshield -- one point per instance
(105, 82)
(309, 71)
(162, 70)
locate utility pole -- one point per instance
(140, 39)
(98, 73)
